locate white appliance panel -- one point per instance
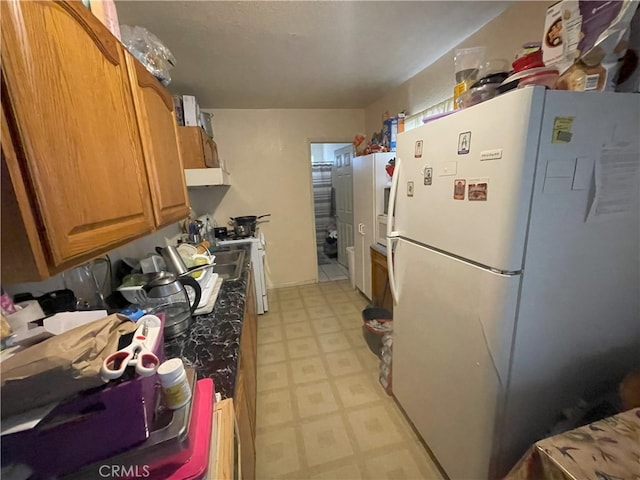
(363, 198)
(579, 318)
(567, 327)
(453, 327)
(369, 179)
(502, 138)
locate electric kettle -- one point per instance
(168, 293)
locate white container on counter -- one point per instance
(175, 385)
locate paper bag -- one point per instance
(60, 366)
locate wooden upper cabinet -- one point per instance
(156, 118)
(198, 150)
(76, 155)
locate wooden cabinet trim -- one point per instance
(100, 35)
(244, 398)
(146, 80)
(18, 213)
(222, 461)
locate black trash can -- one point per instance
(377, 322)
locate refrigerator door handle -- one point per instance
(391, 271)
(391, 234)
(392, 200)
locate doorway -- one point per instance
(326, 186)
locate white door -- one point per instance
(452, 332)
(343, 183)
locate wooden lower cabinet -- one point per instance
(223, 461)
(381, 291)
(244, 398)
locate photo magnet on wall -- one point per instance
(478, 190)
(459, 188)
(428, 175)
(464, 143)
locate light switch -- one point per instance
(584, 172)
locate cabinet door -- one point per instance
(381, 293)
(68, 98)
(363, 208)
(249, 350)
(154, 110)
(210, 152)
(247, 436)
(192, 147)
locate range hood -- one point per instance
(206, 177)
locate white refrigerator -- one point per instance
(369, 181)
(516, 273)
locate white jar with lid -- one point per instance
(175, 385)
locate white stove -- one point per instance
(258, 247)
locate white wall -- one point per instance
(268, 154)
(503, 36)
(136, 249)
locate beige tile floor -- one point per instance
(332, 271)
(321, 413)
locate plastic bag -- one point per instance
(60, 366)
(151, 52)
(585, 40)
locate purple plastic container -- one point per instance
(437, 116)
(91, 426)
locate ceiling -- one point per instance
(303, 54)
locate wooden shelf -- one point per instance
(206, 177)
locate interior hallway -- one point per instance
(321, 412)
(329, 269)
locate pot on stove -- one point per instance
(246, 226)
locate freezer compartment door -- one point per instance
(453, 327)
(465, 181)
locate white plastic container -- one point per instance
(175, 385)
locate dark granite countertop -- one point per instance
(212, 344)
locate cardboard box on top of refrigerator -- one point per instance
(391, 127)
(585, 40)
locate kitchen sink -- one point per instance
(228, 265)
(231, 256)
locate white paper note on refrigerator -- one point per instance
(616, 183)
